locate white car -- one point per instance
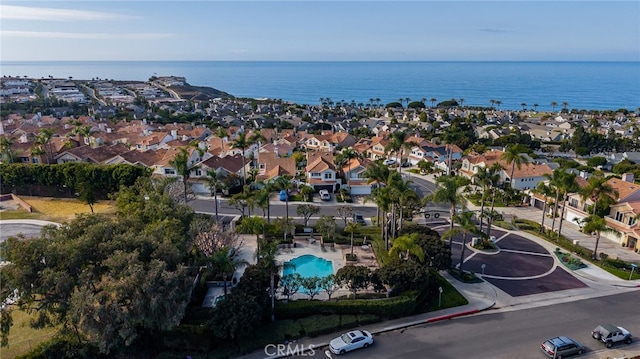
(324, 195)
(389, 162)
(349, 341)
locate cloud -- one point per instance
(10, 12)
(495, 31)
(90, 36)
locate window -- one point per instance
(632, 221)
(35, 160)
(315, 174)
(169, 171)
(328, 175)
(619, 216)
(198, 172)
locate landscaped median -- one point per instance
(617, 267)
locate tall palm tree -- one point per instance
(433, 101)
(544, 190)
(43, 146)
(407, 246)
(450, 136)
(181, 164)
(446, 192)
(344, 158)
(382, 198)
(535, 106)
(461, 102)
(465, 226)
(284, 183)
(351, 228)
(262, 200)
(514, 156)
(565, 105)
(498, 102)
(378, 174)
(493, 177)
(567, 185)
(524, 105)
(407, 199)
(596, 224)
(553, 105)
(493, 102)
(241, 142)
(481, 178)
(215, 181)
(598, 189)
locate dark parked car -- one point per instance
(359, 218)
(561, 347)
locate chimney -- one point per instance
(627, 177)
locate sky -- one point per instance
(303, 30)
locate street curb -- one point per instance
(400, 326)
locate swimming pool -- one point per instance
(308, 266)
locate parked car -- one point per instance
(389, 162)
(359, 218)
(561, 347)
(610, 334)
(324, 195)
(349, 341)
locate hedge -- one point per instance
(387, 307)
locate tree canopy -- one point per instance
(107, 280)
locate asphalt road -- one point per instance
(514, 334)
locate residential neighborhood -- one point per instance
(436, 176)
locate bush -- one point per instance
(388, 307)
(616, 263)
(352, 257)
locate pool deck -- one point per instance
(336, 254)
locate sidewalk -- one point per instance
(481, 296)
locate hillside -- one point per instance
(199, 93)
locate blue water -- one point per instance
(583, 85)
(308, 266)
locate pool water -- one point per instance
(308, 266)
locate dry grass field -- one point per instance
(56, 209)
(22, 337)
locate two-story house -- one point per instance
(354, 171)
(321, 171)
(526, 177)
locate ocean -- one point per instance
(582, 85)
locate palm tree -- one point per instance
(215, 183)
(535, 106)
(565, 105)
(596, 224)
(43, 146)
(482, 179)
(514, 156)
(344, 158)
(241, 142)
(465, 226)
(567, 185)
(544, 190)
(498, 102)
(407, 198)
(433, 101)
(598, 189)
(181, 164)
(407, 245)
(379, 174)
(493, 177)
(493, 102)
(524, 105)
(461, 102)
(446, 192)
(450, 137)
(284, 183)
(351, 228)
(553, 105)
(262, 200)
(381, 197)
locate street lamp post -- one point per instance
(633, 267)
